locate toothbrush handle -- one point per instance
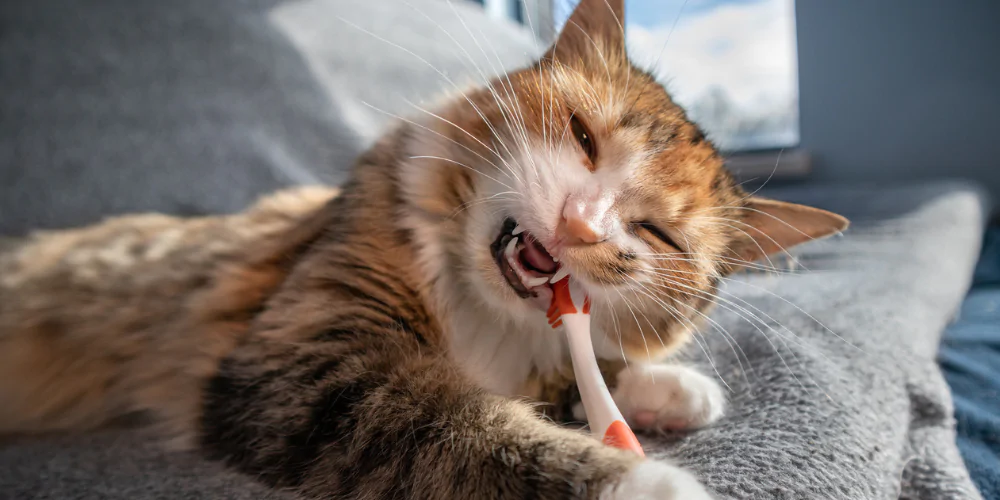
(605, 419)
(573, 314)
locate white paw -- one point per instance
(668, 397)
(656, 480)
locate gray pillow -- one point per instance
(190, 107)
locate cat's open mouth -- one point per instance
(523, 261)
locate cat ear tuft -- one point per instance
(593, 22)
(773, 226)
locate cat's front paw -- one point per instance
(656, 480)
(668, 397)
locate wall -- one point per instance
(901, 89)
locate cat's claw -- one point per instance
(652, 480)
(668, 397)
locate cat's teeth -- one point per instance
(518, 230)
(539, 281)
(554, 258)
(511, 246)
(560, 274)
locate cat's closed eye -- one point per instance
(584, 137)
(657, 233)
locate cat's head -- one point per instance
(583, 164)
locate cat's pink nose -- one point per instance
(579, 231)
(586, 219)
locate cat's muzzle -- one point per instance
(524, 261)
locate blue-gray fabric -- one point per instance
(970, 359)
(191, 107)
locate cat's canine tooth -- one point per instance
(511, 245)
(555, 259)
(560, 274)
(539, 281)
(517, 230)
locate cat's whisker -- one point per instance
(767, 256)
(798, 308)
(696, 292)
(637, 324)
(742, 311)
(469, 134)
(510, 115)
(425, 62)
(454, 162)
(653, 328)
(480, 201)
(699, 258)
(695, 274)
(749, 316)
(468, 57)
(453, 84)
(720, 258)
(751, 320)
(541, 87)
(669, 278)
(518, 117)
(772, 216)
(695, 332)
(770, 176)
(763, 252)
(511, 120)
(614, 321)
(715, 221)
(756, 287)
(790, 336)
(687, 323)
(439, 134)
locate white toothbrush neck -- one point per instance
(600, 408)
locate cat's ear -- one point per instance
(771, 226)
(595, 25)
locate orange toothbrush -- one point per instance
(571, 309)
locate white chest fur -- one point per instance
(500, 354)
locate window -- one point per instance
(730, 63)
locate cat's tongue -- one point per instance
(534, 255)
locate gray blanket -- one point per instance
(198, 107)
(835, 388)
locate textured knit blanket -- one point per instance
(836, 392)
